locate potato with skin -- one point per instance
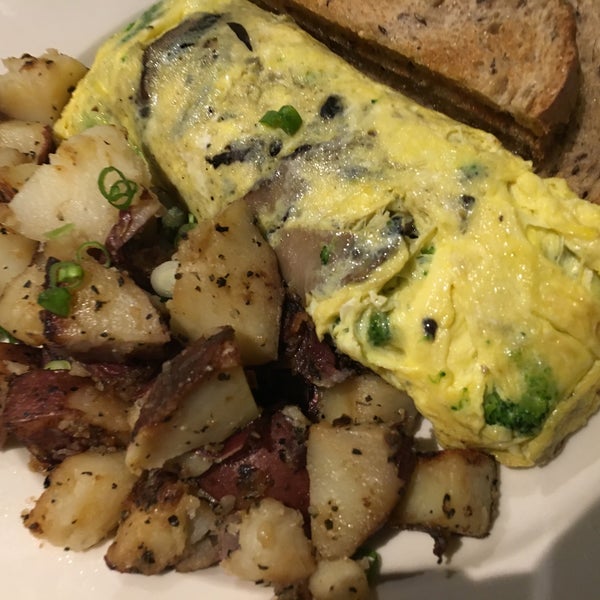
(82, 504)
(111, 319)
(228, 275)
(201, 397)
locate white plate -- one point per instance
(544, 545)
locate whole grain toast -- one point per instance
(576, 156)
(508, 66)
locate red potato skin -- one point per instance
(14, 356)
(184, 372)
(38, 416)
(270, 462)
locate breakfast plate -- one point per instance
(543, 544)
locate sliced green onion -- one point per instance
(84, 251)
(121, 191)
(286, 118)
(373, 561)
(56, 300)
(58, 365)
(55, 233)
(66, 274)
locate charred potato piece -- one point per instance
(110, 319)
(56, 414)
(200, 397)
(82, 502)
(38, 88)
(156, 526)
(272, 545)
(355, 483)
(452, 492)
(367, 398)
(228, 275)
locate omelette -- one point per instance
(423, 249)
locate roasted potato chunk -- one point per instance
(63, 204)
(38, 88)
(110, 319)
(340, 579)
(12, 178)
(228, 275)
(31, 139)
(156, 525)
(354, 484)
(200, 397)
(56, 414)
(82, 503)
(451, 491)
(272, 545)
(19, 309)
(367, 398)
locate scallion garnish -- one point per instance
(55, 233)
(286, 118)
(66, 274)
(94, 249)
(56, 300)
(121, 191)
(58, 365)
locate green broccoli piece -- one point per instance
(379, 331)
(527, 414)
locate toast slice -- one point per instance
(576, 157)
(508, 66)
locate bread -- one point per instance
(508, 66)
(576, 156)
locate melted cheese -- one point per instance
(482, 277)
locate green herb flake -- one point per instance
(59, 231)
(325, 255)
(56, 300)
(286, 118)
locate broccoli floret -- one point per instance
(379, 332)
(527, 414)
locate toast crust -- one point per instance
(576, 157)
(509, 67)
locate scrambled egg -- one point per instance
(437, 258)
